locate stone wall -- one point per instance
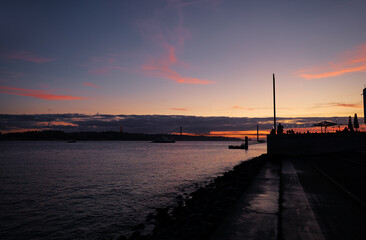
(314, 143)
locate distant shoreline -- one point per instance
(103, 136)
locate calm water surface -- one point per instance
(99, 190)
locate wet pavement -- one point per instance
(292, 199)
(255, 216)
(297, 218)
(338, 215)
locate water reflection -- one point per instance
(100, 189)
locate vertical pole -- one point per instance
(274, 103)
(364, 104)
(257, 134)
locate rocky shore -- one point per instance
(198, 215)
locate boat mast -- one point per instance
(274, 103)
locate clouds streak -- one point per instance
(353, 61)
(169, 40)
(41, 94)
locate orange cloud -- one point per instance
(333, 73)
(91, 85)
(57, 123)
(179, 109)
(36, 94)
(21, 130)
(353, 61)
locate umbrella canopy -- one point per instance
(325, 124)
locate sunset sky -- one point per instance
(177, 57)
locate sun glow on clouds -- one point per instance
(21, 130)
(353, 61)
(41, 94)
(239, 134)
(57, 123)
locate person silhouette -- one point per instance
(280, 129)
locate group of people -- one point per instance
(279, 130)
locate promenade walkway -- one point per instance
(256, 214)
(275, 206)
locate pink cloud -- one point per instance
(161, 68)
(338, 104)
(169, 40)
(352, 61)
(41, 94)
(25, 56)
(91, 85)
(349, 105)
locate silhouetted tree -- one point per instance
(355, 122)
(350, 126)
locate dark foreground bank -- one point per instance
(199, 214)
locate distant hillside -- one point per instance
(102, 136)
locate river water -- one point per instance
(99, 190)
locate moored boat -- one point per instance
(241, 146)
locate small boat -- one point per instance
(163, 140)
(71, 141)
(241, 146)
